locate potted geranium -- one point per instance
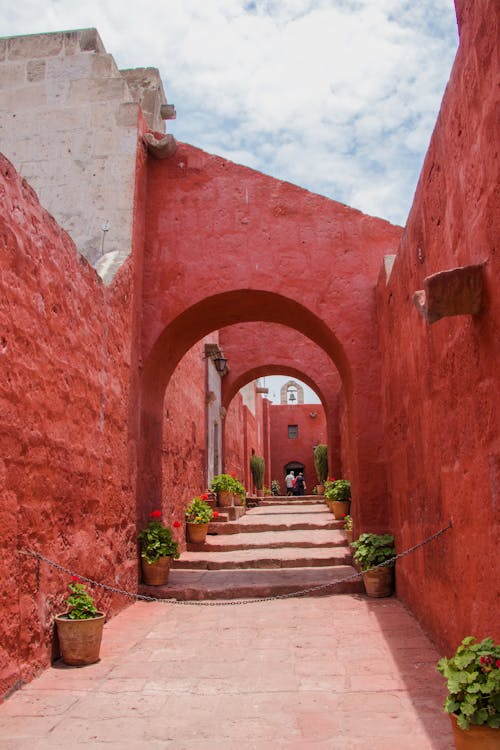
(348, 527)
(338, 497)
(239, 492)
(224, 486)
(79, 629)
(198, 515)
(370, 551)
(473, 680)
(158, 549)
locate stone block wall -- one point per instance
(69, 124)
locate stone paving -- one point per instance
(341, 672)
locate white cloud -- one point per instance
(339, 96)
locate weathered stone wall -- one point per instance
(67, 484)
(442, 381)
(68, 123)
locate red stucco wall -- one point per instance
(311, 432)
(442, 381)
(66, 482)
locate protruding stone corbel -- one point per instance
(160, 148)
(167, 112)
(457, 291)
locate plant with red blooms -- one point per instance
(176, 524)
(156, 540)
(80, 604)
(473, 682)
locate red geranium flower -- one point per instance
(233, 474)
(216, 513)
(176, 524)
(75, 579)
(204, 496)
(156, 514)
(497, 663)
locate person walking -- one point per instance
(300, 484)
(289, 480)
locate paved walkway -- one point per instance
(342, 672)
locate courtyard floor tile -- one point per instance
(343, 672)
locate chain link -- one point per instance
(223, 603)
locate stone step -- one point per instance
(200, 585)
(285, 557)
(253, 525)
(272, 540)
(304, 500)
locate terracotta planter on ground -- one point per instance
(238, 500)
(80, 640)
(197, 532)
(340, 508)
(156, 573)
(260, 493)
(225, 499)
(379, 581)
(475, 737)
(320, 488)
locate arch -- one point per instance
(200, 319)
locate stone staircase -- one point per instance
(282, 546)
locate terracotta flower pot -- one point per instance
(156, 573)
(340, 508)
(378, 582)
(80, 640)
(225, 499)
(238, 499)
(197, 532)
(475, 737)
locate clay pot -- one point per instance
(475, 737)
(80, 640)
(225, 499)
(320, 488)
(156, 573)
(340, 508)
(260, 493)
(197, 532)
(238, 499)
(378, 582)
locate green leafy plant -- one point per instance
(320, 454)
(156, 540)
(257, 467)
(473, 681)
(338, 489)
(373, 549)
(199, 511)
(275, 487)
(223, 483)
(347, 522)
(239, 489)
(80, 604)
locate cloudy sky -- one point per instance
(338, 96)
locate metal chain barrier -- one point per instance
(226, 603)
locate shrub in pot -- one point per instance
(257, 468)
(320, 454)
(275, 487)
(157, 549)
(338, 497)
(198, 515)
(79, 629)
(473, 681)
(370, 551)
(224, 486)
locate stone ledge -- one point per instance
(457, 291)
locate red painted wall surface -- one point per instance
(311, 432)
(252, 232)
(243, 433)
(442, 381)
(66, 437)
(259, 349)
